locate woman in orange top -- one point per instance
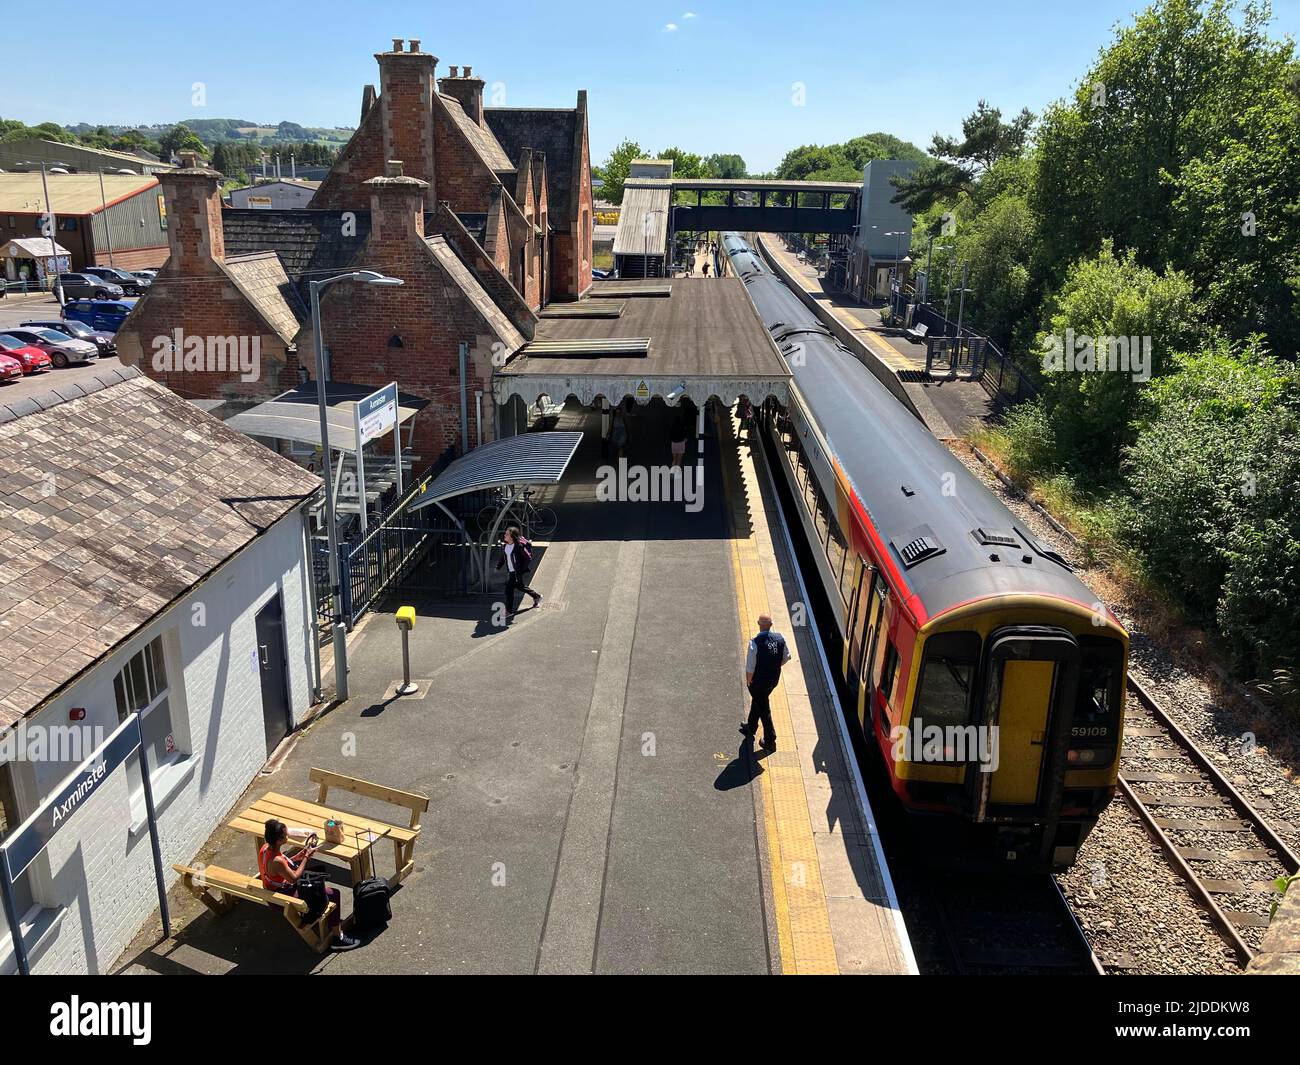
(280, 873)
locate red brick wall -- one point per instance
(464, 180)
(361, 159)
(429, 315)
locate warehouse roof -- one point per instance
(116, 497)
(70, 194)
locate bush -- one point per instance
(1213, 473)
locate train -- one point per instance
(982, 669)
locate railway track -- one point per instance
(1222, 847)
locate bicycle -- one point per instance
(536, 522)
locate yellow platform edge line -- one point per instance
(803, 930)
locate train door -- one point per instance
(1030, 675)
(872, 647)
(856, 628)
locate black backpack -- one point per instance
(311, 889)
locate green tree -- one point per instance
(985, 140)
(614, 170)
(1105, 298)
(1213, 472)
(725, 166)
(181, 138)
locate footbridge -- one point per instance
(656, 209)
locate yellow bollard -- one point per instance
(406, 622)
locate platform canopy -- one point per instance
(295, 415)
(527, 459)
(694, 337)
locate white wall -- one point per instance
(96, 879)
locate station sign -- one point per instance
(376, 414)
(25, 844)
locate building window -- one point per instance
(142, 686)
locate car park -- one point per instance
(129, 283)
(30, 357)
(106, 316)
(61, 348)
(10, 369)
(87, 286)
(105, 342)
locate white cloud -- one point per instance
(688, 14)
(670, 28)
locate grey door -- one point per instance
(275, 678)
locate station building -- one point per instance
(133, 578)
(485, 213)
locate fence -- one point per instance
(397, 544)
(964, 353)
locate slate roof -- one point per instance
(307, 241)
(116, 497)
(551, 131)
(475, 293)
(261, 278)
(484, 140)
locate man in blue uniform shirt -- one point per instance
(768, 652)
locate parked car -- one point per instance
(32, 358)
(87, 286)
(127, 282)
(104, 315)
(10, 369)
(77, 330)
(60, 347)
(147, 275)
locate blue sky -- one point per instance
(722, 80)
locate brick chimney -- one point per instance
(396, 205)
(468, 90)
(192, 194)
(406, 97)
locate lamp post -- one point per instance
(339, 632)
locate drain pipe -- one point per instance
(464, 399)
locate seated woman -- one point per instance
(280, 873)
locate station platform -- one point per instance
(592, 808)
(949, 408)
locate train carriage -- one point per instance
(982, 668)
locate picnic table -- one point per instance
(360, 834)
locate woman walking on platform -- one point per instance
(517, 557)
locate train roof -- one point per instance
(950, 538)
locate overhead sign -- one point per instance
(25, 844)
(376, 414)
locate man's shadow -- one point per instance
(742, 770)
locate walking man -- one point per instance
(768, 652)
(517, 557)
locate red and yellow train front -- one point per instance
(1009, 712)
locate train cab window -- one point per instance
(1097, 702)
(943, 690)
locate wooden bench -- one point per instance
(403, 837)
(918, 333)
(218, 889)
